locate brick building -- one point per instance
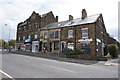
(45, 33)
(28, 32)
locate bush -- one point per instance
(113, 50)
(71, 52)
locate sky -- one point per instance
(14, 11)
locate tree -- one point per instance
(12, 43)
(113, 50)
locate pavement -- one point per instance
(21, 66)
(112, 62)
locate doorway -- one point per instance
(50, 47)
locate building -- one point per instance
(28, 32)
(45, 34)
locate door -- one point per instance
(62, 47)
(50, 47)
(40, 47)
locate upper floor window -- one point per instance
(51, 34)
(84, 32)
(36, 36)
(45, 36)
(56, 34)
(29, 36)
(23, 37)
(70, 33)
(19, 38)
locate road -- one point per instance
(21, 66)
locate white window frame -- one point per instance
(29, 37)
(35, 36)
(70, 33)
(84, 33)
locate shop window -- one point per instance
(51, 34)
(84, 32)
(56, 34)
(70, 46)
(70, 33)
(56, 45)
(45, 36)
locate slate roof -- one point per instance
(78, 21)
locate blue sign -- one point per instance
(28, 40)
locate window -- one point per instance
(36, 36)
(56, 34)
(29, 36)
(85, 33)
(45, 36)
(70, 33)
(19, 38)
(23, 37)
(45, 46)
(30, 27)
(56, 45)
(70, 46)
(51, 34)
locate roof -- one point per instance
(78, 21)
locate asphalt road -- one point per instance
(21, 66)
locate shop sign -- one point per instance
(28, 40)
(84, 40)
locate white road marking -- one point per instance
(7, 74)
(60, 68)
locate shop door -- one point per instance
(50, 47)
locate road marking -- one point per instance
(7, 74)
(60, 68)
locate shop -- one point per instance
(35, 46)
(28, 45)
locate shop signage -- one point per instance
(84, 40)
(28, 40)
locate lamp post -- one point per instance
(9, 37)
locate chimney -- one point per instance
(56, 18)
(84, 13)
(70, 17)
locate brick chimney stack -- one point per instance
(70, 17)
(56, 18)
(84, 13)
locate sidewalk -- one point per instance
(57, 57)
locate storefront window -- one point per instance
(56, 45)
(45, 46)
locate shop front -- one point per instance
(28, 45)
(35, 46)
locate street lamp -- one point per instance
(9, 36)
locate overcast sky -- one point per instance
(14, 11)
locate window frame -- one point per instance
(70, 33)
